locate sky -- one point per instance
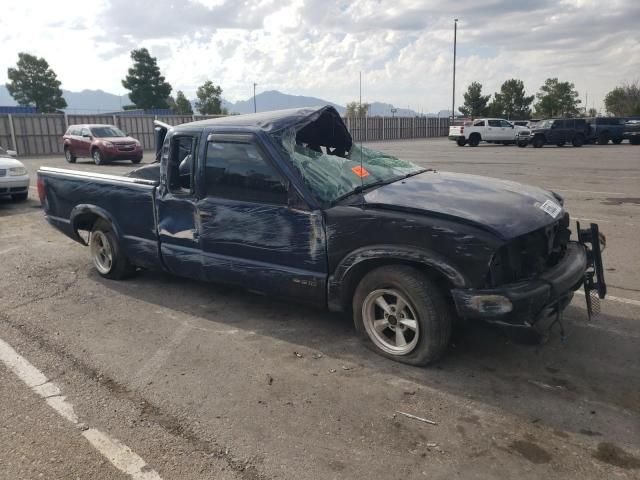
(404, 48)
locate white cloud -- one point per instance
(317, 47)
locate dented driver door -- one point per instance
(249, 232)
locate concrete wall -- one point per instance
(40, 134)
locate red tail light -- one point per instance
(41, 190)
(461, 129)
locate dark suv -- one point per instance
(102, 143)
(604, 129)
(557, 132)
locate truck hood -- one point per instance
(118, 140)
(507, 209)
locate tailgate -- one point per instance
(456, 131)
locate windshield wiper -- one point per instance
(379, 183)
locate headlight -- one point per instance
(137, 143)
(107, 144)
(17, 171)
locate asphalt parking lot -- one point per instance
(206, 381)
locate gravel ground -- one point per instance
(202, 381)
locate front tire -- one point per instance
(538, 142)
(136, 160)
(108, 258)
(617, 141)
(523, 144)
(68, 156)
(402, 315)
(474, 140)
(98, 159)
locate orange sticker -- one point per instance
(359, 171)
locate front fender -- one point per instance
(82, 211)
(340, 282)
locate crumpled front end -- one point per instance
(533, 276)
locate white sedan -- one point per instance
(14, 178)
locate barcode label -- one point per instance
(551, 208)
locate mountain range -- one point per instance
(99, 101)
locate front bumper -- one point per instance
(11, 185)
(523, 303)
(114, 153)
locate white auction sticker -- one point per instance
(551, 208)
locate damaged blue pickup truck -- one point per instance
(285, 203)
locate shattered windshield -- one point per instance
(332, 175)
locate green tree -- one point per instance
(148, 87)
(183, 106)
(592, 112)
(34, 83)
(511, 102)
(475, 104)
(623, 101)
(557, 99)
(209, 99)
(356, 110)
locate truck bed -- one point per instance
(72, 201)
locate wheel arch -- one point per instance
(84, 216)
(355, 265)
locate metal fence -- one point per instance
(41, 134)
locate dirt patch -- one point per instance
(614, 455)
(532, 452)
(621, 200)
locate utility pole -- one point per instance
(453, 99)
(255, 108)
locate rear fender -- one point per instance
(82, 214)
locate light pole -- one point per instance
(255, 108)
(453, 96)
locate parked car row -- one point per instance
(555, 131)
(102, 143)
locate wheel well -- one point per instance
(85, 222)
(357, 273)
(475, 134)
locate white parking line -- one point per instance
(10, 249)
(585, 191)
(121, 456)
(599, 220)
(628, 301)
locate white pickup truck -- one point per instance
(490, 130)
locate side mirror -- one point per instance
(12, 153)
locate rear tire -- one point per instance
(98, 159)
(108, 257)
(136, 160)
(523, 144)
(474, 140)
(401, 314)
(68, 156)
(603, 138)
(538, 142)
(461, 142)
(577, 141)
(20, 197)
(617, 141)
